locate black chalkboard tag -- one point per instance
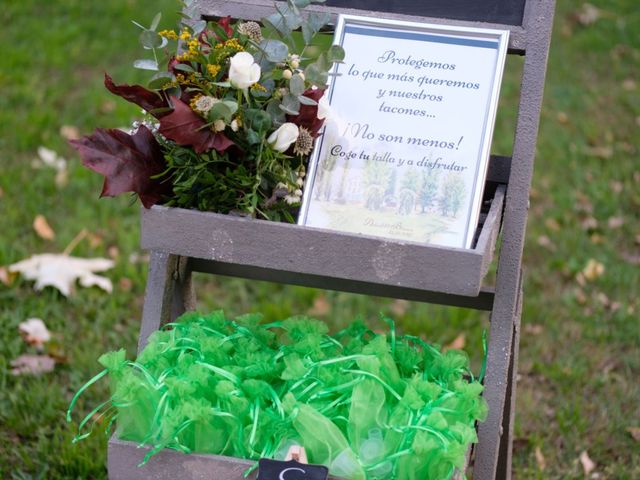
(291, 470)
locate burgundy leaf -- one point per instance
(308, 116)
(186, 128)
(224, 23)
(139, 95)
(127, 162)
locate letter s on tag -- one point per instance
(289, 470)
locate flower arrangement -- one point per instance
(231, 122)
(368, 405)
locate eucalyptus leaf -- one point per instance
(335, 53)
(144, 64)
(258, 120)
(316, 75)
(159, 80)
(291, 16)
(198, 27)
(138, 25)
(150, 40)
(306, 100)
(302, 3)
(290, 105)
(221, 84)
(232, 105)
(183, 67)
(156, 21)
(220, 110)
(277, 115)
(296, 85)
(275, 50)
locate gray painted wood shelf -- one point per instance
(294, 254)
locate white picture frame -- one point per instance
(405, 149)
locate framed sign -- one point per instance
(406, 146)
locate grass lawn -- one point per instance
(578, 390)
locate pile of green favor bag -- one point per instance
(368, 405)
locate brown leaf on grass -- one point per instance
(605, 152)
(631, 258)
(7, 277)
(125, 284)
(587, 464)
(629, 84)
(592, 270)
(399, 307)
(32, 365)
(588, 14)
(127, 162)
(540, 460)
(634, 432)
(113, 252)
(69, 132)
(615, 222)
(185, 127)
(616, 186)
(552, 224)
(563, 118)
(42, 228)
(95, 240)
(321, 306)
(546, 242)
(533, 328)
(458, 343)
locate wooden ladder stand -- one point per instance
(182, 241)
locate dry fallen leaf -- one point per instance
(605, 152)
(540, 460)
(399, 307)
(533, 328)
(630, 258)
(546, 242)
(615, 222)
(629, 84)
(634, 432)
(563, 118)
(61, 271)
(32, 365)
(34, 332)
(69, 132)
(42, 228)
(51, 159)
(588, 14)
(125, 284)
(6, 277)
(320, 306)
(592, 270)
(587, 464)
(552, 224)
(458, 343)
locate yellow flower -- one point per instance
(168, 34)
(213, 70)
(185, 35)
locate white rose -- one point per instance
(243, 72)
(284, 137)
(324, 109)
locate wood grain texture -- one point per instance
(244, 247)
(508, 12)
